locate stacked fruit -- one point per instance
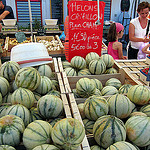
(119, 121)
(29, 99)
(92, 64)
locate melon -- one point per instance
(11, 128)
(88, 125)
(109, 90)
(68, 133)
(122, 145)
(66, 64)
(23, 96)
(9, 69)
(1, 99)
(34, 115)
(54, 121)
(85, 87)
(120, 106)
(46, 147)
(4, 86)
(146, 109)
(70, 71)
(108, 59)
(137, 113)
(96, 147)
(55, 84)
(95, 107)
(7, 98)
(76, 95)
(45, 86)
(111, 71)
(50, 106)
(97, 92)
(37, 133)
(20, 111)
(78, 62)
(137, 128)
(3, 109)
(113, 82)
(139, 94)
(81, 110)
(97, 67)
(98, 84)
(28, 77)
(37, 96)
(6, 147)
(84, 72)
(109, 129)
(91, 56)
(54, 92)
(124, 88)
(45, 70)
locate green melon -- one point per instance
(76, 95)
(66, 64)
(78, 62)
(84, 72)
(54, 92)
(139, 94)
(98, 84)
(68, 134)
(120, 106)
(88, 125)
(55, 85)
(3, 109)
(11, 128)
(46, 147)
(54, 121)
(34, 115)
(20, 111)
(95, 107)
(111, 71)
(6, 147)
(137, 113)
(146, 109)
(7, 98)
(85, 87)
(50, 106)
(45, 70)
(37, 96)
(122, 145)
(96, 147)
(113, 82)
(97, 67)
(91, 56)
(108, 59)
(124, 88)
(109, 90)
(37, 133)
(23, 96)
(98, 93)
(1, 99)
(45, 86)
(81, 110)
(70, 71)
(9, 69)
(137, 129)
(28, 77)
(4, 86)
(109, 129)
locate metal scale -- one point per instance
(9, 28)
(51, 27)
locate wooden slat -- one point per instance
(55, 65)
(76, 115)
(60, 65)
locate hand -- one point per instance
(125, 57)
(145, 40)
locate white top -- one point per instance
(139, 32)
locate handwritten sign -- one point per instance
(84, 35)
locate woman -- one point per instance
(137, 30)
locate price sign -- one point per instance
(84, 35)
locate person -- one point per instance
(115, 32)
(137, 30)
(6, 12)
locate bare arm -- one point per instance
(4, 14)
(132, 35)
(144, 49)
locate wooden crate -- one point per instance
(131, 69)
(49, 39)
(11, 42)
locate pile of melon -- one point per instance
(93, 64)
(30, 104)
(119, 122)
